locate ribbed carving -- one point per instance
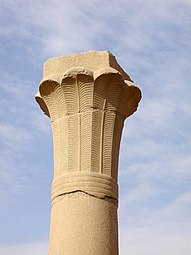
(72, 143)
(47, 91)
(61, 106)
(85, 86)
(101, 87)
(118, 127)
(96, 141)
(70, 94)
(87, 119)
(109, 123)
(64, 148)
(57, 143)
(114, 92)
(85, 141)
(96, 184)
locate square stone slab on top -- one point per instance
(93, 60)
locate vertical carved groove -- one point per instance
(64, 144)
(56, 139)
(101, 140)
(79, 142)
(111, 127)
(108, 141)
(96, 141)
(100, 94)
(118, 127)
(86, 120)
(72, 143)
(110, 105)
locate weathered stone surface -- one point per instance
(92, 60)
(87, 97)
(82, 224)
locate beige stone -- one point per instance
(87, 97)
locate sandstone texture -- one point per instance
(87, 97)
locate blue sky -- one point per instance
(152, 42)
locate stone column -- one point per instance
(87, 97)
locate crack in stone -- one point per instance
(81, 193)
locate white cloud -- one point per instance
(156, 239)
(35, 248)
(153, 180)
(64, 26)
(147, 230)
(14, 136)
(153, 38)
(159, 231)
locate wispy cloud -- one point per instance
(156, 239)
(154, 231)
(13, 136)
(63, 26)
(151, 40)
(36, 248)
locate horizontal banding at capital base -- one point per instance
(94, 184)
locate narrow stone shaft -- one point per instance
(87, 97)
